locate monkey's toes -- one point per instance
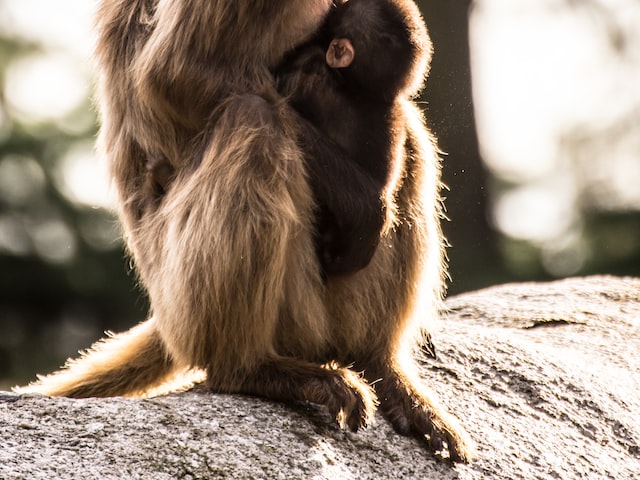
(441, 432)
(417, 414)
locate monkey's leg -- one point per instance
(346, 395)
(413, 410)
(405, 401)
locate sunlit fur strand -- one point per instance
(120, 363)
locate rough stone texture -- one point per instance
(544, 376)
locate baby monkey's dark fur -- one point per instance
(348, 81)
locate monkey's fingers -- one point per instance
(364, 401)
(440, 429)
(347, 396)
(414, 411)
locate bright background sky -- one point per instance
(48, 85)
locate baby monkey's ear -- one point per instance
(340, 53)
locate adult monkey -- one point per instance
(226, 250)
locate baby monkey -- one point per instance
(349, 81)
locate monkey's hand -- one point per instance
(345, 393)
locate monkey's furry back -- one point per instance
(227, 253)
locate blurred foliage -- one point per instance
(575, 210)
(64, 278)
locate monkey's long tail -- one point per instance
(128, 364)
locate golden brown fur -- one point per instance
(226, 253)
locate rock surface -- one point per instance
(546, 378)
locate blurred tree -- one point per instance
(560, 120)
(597, 155)
(474, 260)
(63, 275)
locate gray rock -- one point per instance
(546, 378)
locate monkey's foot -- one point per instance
(347, 396)
(413, 410)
